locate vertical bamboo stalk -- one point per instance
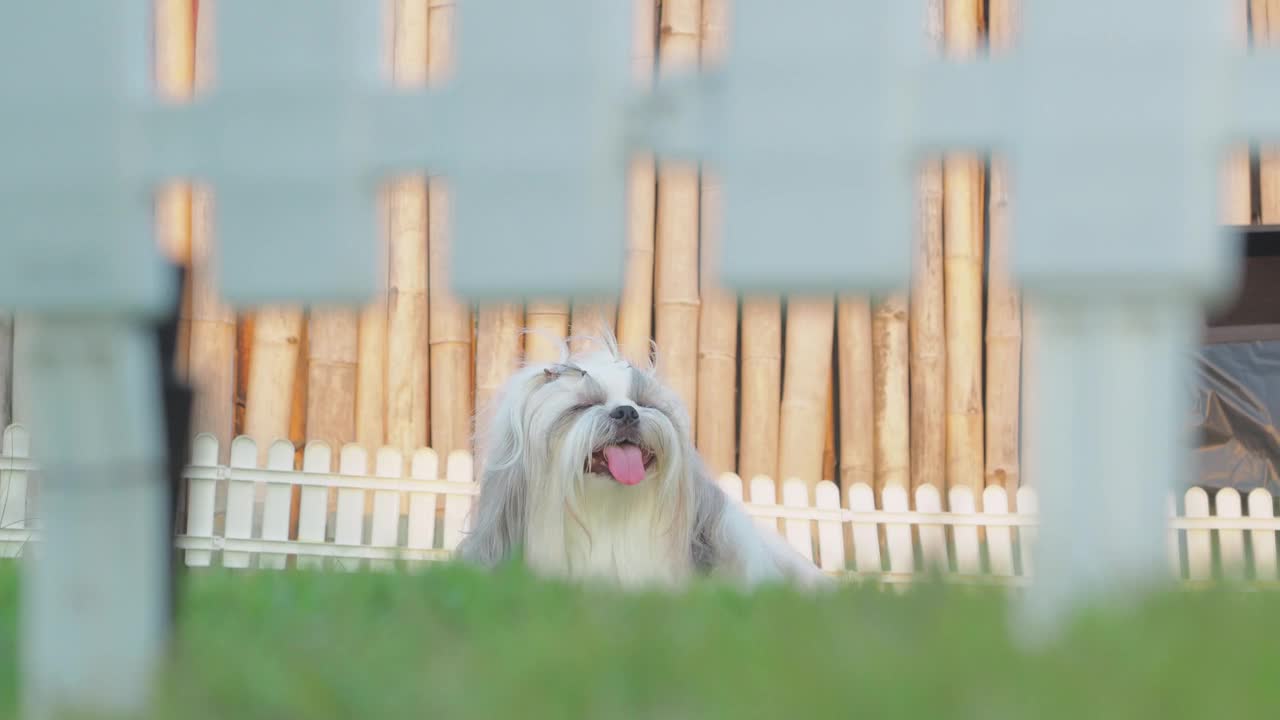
(408, 386)
(371, 354)
(963, 270)
(1004, 308)
(1237, 196)
(175, 41)
(857, 402)
(635, 310)
(213, 360)
(589, 320)
(761, 387)
(889, 342)
(273, 368)
(371, 332)
(928, 319)
(497, 357)
(718, 322)
(829, 442)
(676, 238)
(1237, 200)
(450, 339)
(332, 353)
(450, 327)
(929, 340)
(805, 384)
(298, 419)
(548, 325)
(244, 358)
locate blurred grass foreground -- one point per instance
(453, 643)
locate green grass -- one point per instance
(450, 643)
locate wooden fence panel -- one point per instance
(313, 507)
(866, 535)
(389, 464)
(830, 532)
(968, 551)
(1230, 542)
(933, 537)
(422, 505)
(240, 501)
(1263, 541)
(995, 502)
(349, 524)
(1199, 548)
(457, 507)
(799, 533)
(276, 502)
(201, 493)
(898, 535)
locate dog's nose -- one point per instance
(625, 414)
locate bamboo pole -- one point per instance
(590, 320)
(175, 41)
(805, 385)
(963, 271)
(856, 400)
(892, 431)
(332, 342)
(371, 350)
(761, 387)
(718, 321)
(635, 310)
(450, 328)
(1004, 308)
(548, 325)
(927, 318)
(497, 357)
(1237, 200)
(929, 340)
(407, 385)
(213, 360)
(829, 449)
(273, 369)
(244, 357)
(298, 421)
(1265, 17)
(371, 332)
(676, 238)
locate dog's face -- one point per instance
(599, 416)
(583, 455)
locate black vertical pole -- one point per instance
(178, 397)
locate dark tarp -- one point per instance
(1237, 414)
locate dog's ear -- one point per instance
(498, 515)
(498, 527)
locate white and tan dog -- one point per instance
(590, 474)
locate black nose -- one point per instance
(625, 414)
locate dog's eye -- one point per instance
(582, 407)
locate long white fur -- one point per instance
(538, 501)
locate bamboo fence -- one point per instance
(675, 279)
(1004, 306)
(921, 386)
(718, 315)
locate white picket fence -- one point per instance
(382, 508)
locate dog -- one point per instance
(590, 474)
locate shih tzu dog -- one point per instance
(589, 473)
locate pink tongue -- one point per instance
(626, 463)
